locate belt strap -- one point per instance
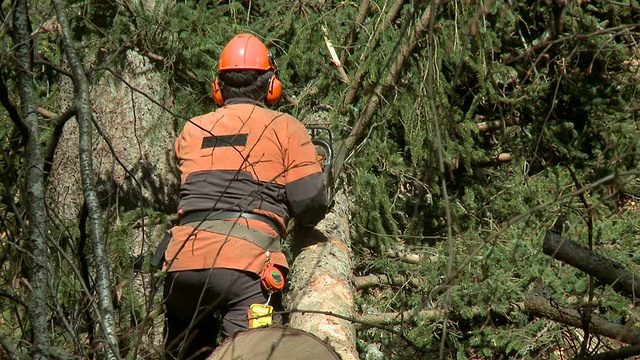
(233, 228)
(229, 215)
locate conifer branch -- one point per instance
(364, 7)
(356, 81)
(361, 128)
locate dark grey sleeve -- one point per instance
(307, 199)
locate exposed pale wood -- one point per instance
(375, 280)
(398, 318)
(46, 113)
(322, 282)
(504, 157)
(273, 343)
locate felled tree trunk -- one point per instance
(321, 293)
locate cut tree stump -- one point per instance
(273, 343)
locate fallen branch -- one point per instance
(621, 353)
(536, 304)
(592, 263)
(363, 125)
(369, 281)
(394, 318)
(415, 316)
(494, 125)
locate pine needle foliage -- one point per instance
(535, 103)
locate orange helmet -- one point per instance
(247, 52)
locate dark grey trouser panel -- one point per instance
(195, 301)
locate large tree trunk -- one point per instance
(321, 294)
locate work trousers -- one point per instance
(200, 302)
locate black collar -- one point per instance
(244, 100)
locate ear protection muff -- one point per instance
(216, 94)
(275, 86)
(275, 91)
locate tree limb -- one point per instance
(621, 353)
(394, 318)
(56, 134)
(103, 281)
(14, 115)
(369, 281)
(363, 11)
(539, 305)
(355, 83)
(592, 263)
(361, 128)
(37, 224)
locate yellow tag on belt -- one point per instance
(260, 315)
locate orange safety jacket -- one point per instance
(243, 157)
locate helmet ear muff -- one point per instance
(216, 94)
(275, 91)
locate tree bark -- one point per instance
(592, 263)
(34, 175)
(321, 281)
(395, 318)
(103, 281)
(621, 353)
(538, 305)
